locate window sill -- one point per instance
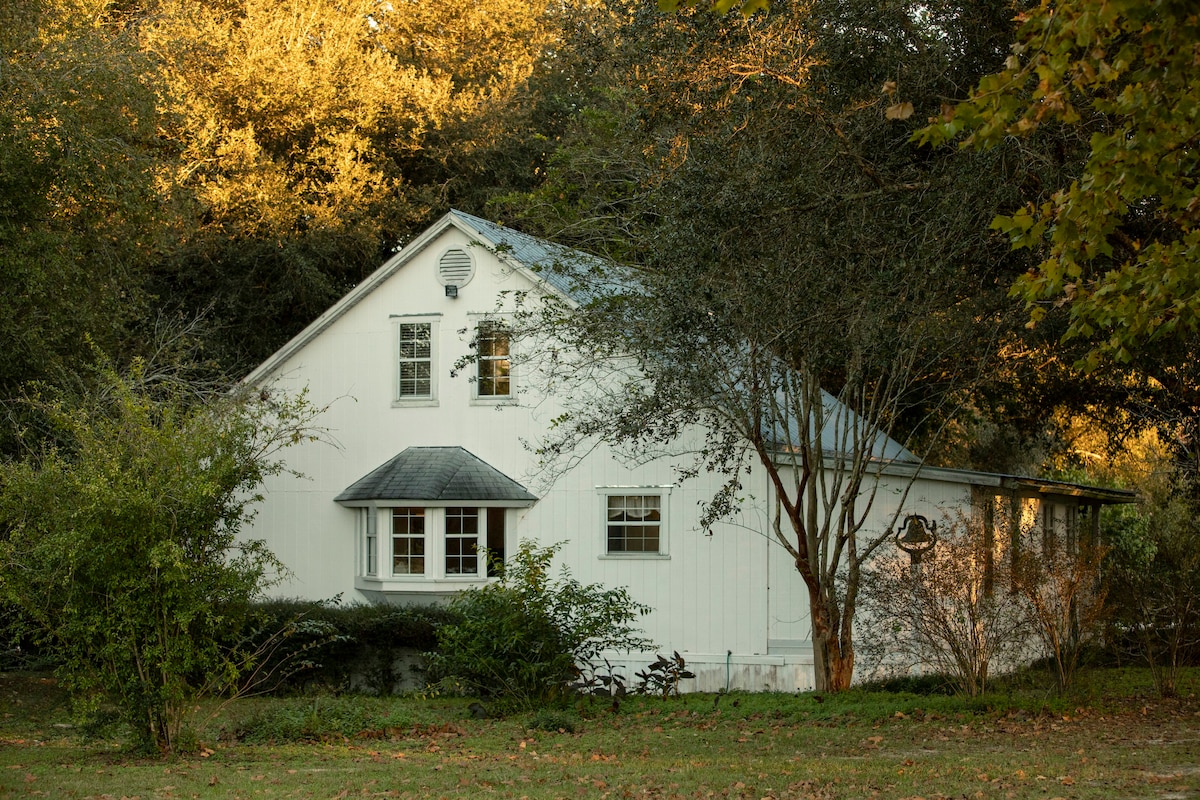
(635, 556)
(507, 400)
(419, 584)
(416, 402)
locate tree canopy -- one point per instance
(1119, 242)
(806, 280)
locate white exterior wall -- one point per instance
(731, 603)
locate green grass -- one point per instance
(1112, 738)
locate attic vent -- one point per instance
(455, 269)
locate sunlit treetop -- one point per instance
(745, 7)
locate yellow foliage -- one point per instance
(302, 110)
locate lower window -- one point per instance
(433, 543)
(634, 523)
(408, 541)
(462, 541)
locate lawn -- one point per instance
(1111, 739)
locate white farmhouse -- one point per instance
(422, 467)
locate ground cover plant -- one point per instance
(1111, 737)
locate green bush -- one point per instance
(120, 539)
(520, 640)
(1154, 568)
(334, 647)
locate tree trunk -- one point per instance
(833, 660)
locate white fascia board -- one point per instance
(940, 474)
(967, 477)
(459, 503)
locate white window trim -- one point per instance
(493, 400)
(408, 319)
(368, 522)
(664, 539)
(434, 578)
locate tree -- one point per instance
(1119, 241)
(314, 137)
(802, 282)
(119, 540)
(83, 218)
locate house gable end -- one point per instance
(510, 247)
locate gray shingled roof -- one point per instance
(434, 474)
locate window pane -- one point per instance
(495, 540)
(415, 360)
(462, 541)
(408, 541)
(493, 364)
(634, 523)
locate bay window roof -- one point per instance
(433, 475)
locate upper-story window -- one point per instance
(494, 360)
(416, 360)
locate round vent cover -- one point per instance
(455, 268)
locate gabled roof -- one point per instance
(553, 263)
(521, 252)
(434, 475)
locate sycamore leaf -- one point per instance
(899, 111)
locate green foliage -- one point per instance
(521, 639)
(1118, 243)
(83, 217)
(321, 718)
(120, 540)
(1154, 568)
(343, 647)
(663, 676)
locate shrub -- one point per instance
(336, 647)
(120, 539)
(1060, 584)
(944, 613)
(1154, 567)
(522, 639)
